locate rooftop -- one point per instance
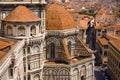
(57, 18)
(116, 43)
(5, 45)
(21, 14)
(102, 40)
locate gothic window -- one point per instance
(28, 49)
(76, 74)
(83, 73)
(28, 66)
(52, 50)
(90, 72)
(50, 75)
(11, 71)
(37, 77)
(9, 30)
(21, 31)
(69, 47)
(24, 51)
(82, 77)
(33, 30)
(63, 75)
(36, 49)
(28, 77)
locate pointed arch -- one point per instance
(50, 74)
(53, 40)
(75, 74)
(90, 71)
(52, 45)
(71, 45)
(83, 72)
(63, 74)
(37, 77)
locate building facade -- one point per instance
(45, 48)
(113, 59)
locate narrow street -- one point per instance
(98, 73)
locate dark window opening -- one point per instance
(69, 47)
(28, 66)
(28, 50)
(11, 71)
(52, 51)
(82, 77)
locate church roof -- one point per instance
(21, 14)
(57, 18)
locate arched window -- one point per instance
(52, 50)
(33, 30)
(21, 31)
(11, 72)
(83, 73)
(69, 47)
(50, 75)
(9, 30)
(36, 49)
(76, 74)
(64, 75)
(90, 72)
(37, 77)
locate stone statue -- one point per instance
(90, 32)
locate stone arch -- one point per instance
(9, 30)
(63, 74)
(52, 46)
(83, 72)
(71, 45)
(90, 71)
(53, 40)
(21, 31)
(50, 74)
(71, 38)
(33, 30)
(75, 74)
(36, 48)
(37, 77)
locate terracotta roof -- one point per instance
(101, 11)
(116, 43)
(57, 18)
(21, 14)
(102, 40)
(84, 16)
(4, 44)
(98, 27)
(112, 36)
(83, 24)
(2, 54)
(118, 28)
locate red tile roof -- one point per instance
(101, 11)
(21, 14)
(4, 44)
(116, 43)
(2, 54)
(102, 40)
(57, 18)
(83, 24)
